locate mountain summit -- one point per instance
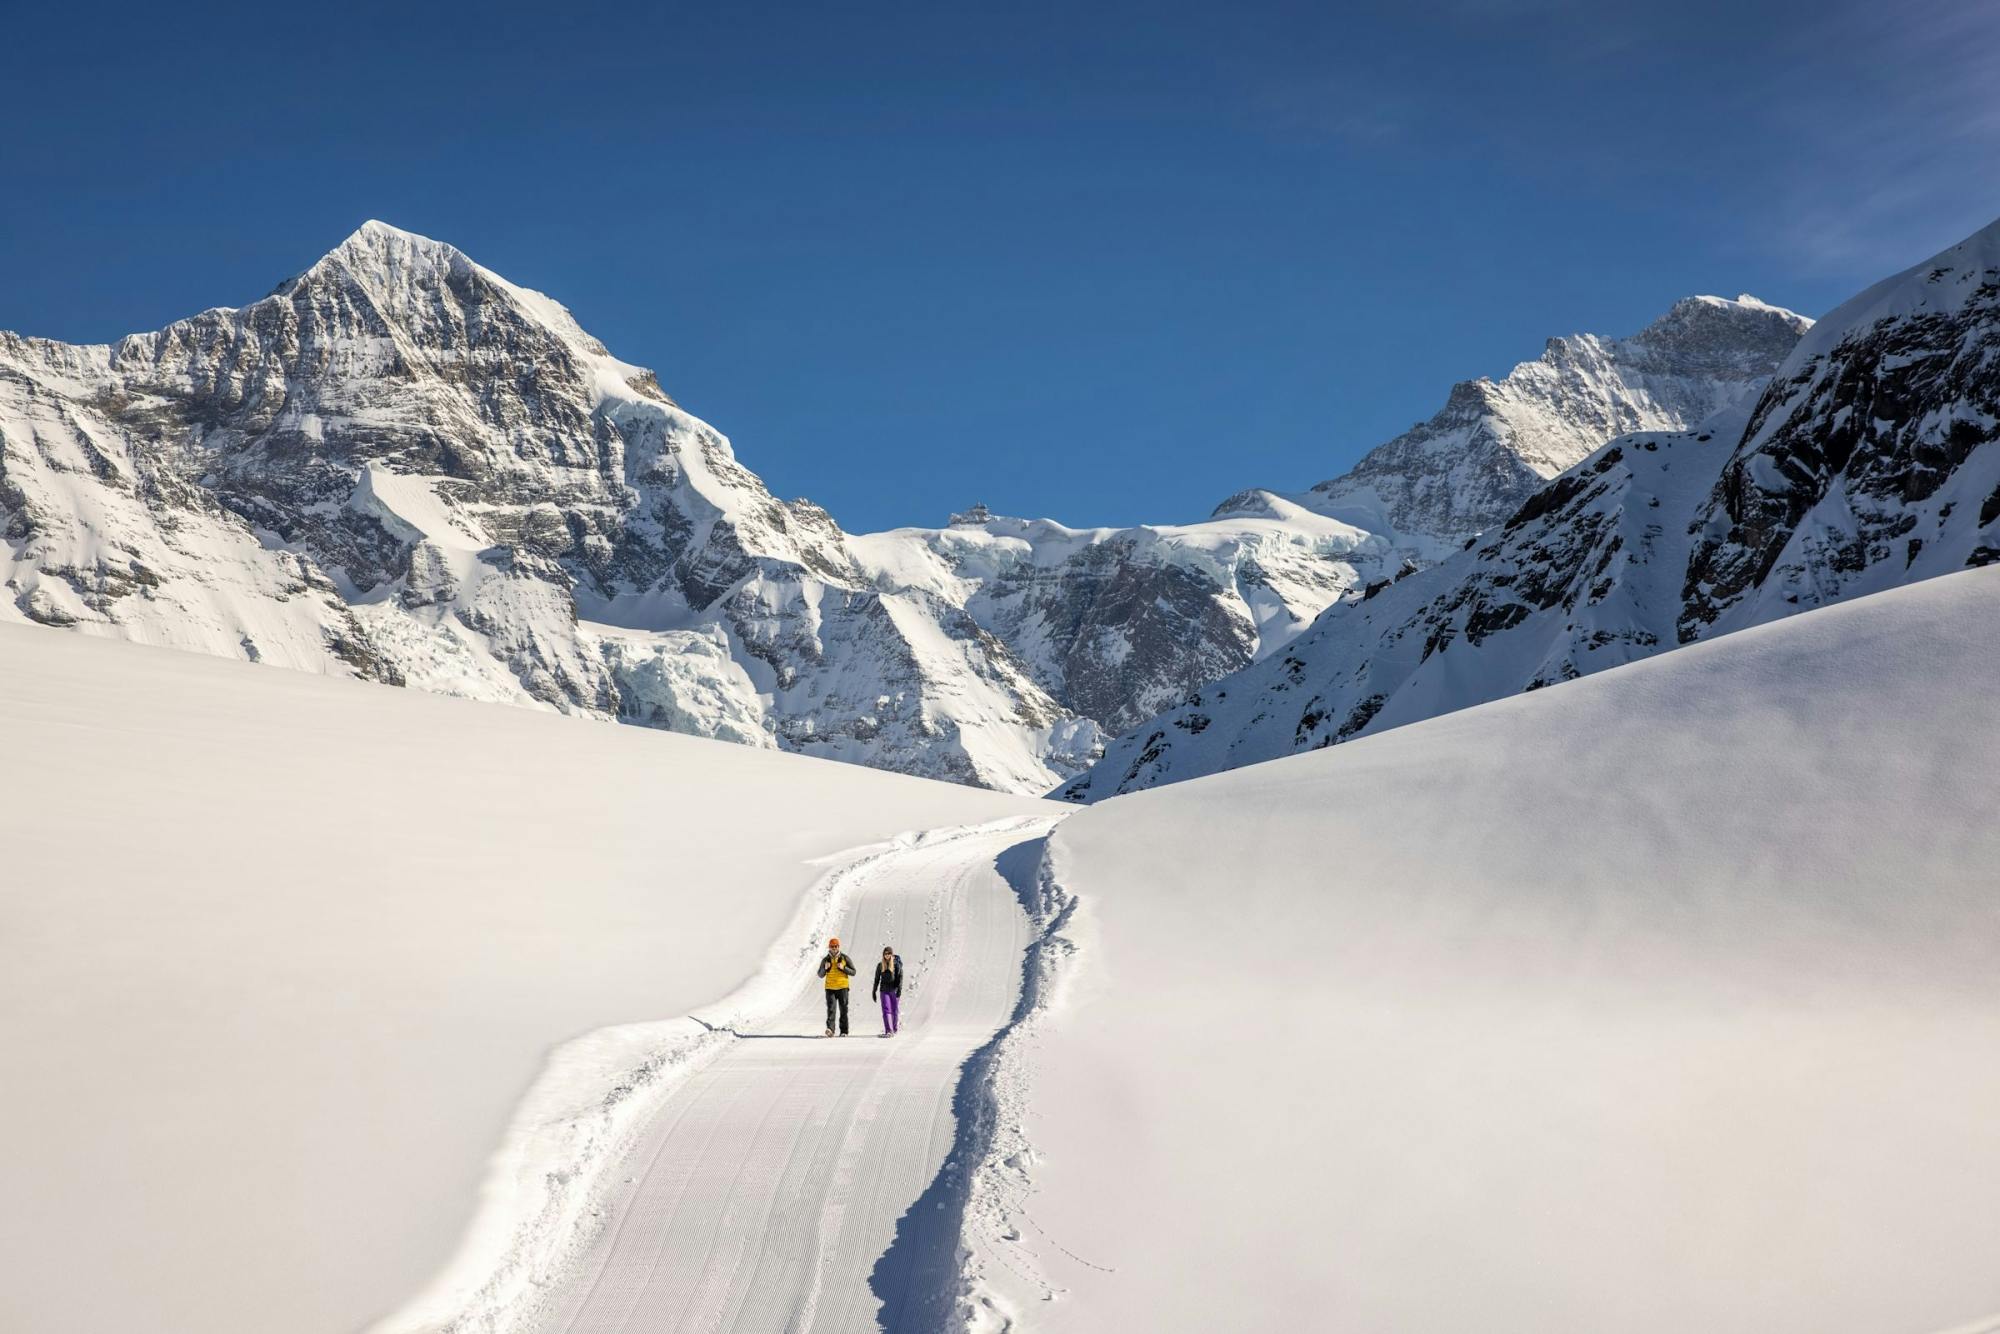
(1495, 442)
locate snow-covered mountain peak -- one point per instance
(377, 227)
(1738, 339)
(377, 252)
(385, 261)
(1497, 441)
(429, 288)
(374, 234)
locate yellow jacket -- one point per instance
(836, 968)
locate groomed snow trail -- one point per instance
(768, 1186)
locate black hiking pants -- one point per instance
(836, 999)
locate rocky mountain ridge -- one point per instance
(402, 467)
(1868, 461)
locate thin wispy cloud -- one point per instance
(1376, 87)
(1350, 107)
(1895, 111)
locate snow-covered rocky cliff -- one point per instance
(402, 467)
(1117, 623)
(1866, 463)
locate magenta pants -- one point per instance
(889, 1000)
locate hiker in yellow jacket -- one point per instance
(836, 968)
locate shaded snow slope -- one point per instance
(282, 954)
(1869, 461)
(1658, 1000)
(403, 467)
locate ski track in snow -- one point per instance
(767, 1189)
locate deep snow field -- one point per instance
(1667, 999)
(280, 957)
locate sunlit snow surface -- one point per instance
(281, 955)
(1661, 1000)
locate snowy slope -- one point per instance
(1658, 1000)
(401, 466)
(1494, 443)
(1868, 462)
(282, 955)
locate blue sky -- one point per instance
(1103, 262)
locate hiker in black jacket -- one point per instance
(889, 986)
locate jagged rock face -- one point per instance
(1496, 442)
(402, 467)
(1869, 461)
(1118, 623)
(1546, 596)
(1128, 631)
